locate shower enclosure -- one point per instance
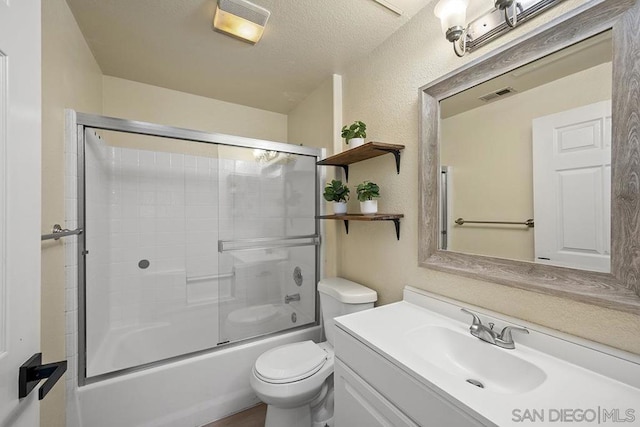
(191, 241)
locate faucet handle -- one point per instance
(505, 335)
(476, 319)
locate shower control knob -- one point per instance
(297, 276)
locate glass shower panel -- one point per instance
(267, 241)
(151, 235)
(189, 245)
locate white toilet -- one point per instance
(295, 380)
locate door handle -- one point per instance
(33, 371)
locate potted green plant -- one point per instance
(355, 134)
(337, 192)
(367, 193)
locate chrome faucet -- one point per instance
(504, 339)
(289, 298)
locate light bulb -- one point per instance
(452, 14)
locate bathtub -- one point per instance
(145, 343)
(188, 392)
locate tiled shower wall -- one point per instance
(158, 224)
(147, 218)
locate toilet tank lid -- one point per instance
(346, 291)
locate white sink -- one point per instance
(429, 340)
(467, 358)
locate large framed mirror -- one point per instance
(530, 161)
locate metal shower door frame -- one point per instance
(84, 121)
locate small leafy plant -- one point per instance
(356, 130)
(367, 190)
(336, 191)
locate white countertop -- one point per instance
(569, 390)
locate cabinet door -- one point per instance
(357, 404)
(416, 402)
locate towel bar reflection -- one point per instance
(59, 232)
(529, 223)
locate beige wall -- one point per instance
(138, 101)
(311, 123)
(490, 151)
(71, 78)
(382, 90)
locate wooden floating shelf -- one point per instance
(360, 217)
(364, 152)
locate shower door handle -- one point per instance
(33, 371)
(268, 243)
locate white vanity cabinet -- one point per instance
(360, 405)
(372, 391)
(414, 363)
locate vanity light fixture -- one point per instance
(240, 19)
(504, 16)
(453, 16)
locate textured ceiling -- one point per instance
(170, 43)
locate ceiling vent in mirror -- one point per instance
(240, 19)
(498, 94)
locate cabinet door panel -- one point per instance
(359, 405)
(425, 405)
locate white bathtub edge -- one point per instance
(189, 392)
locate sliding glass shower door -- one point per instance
(189, 245)
(267, 241)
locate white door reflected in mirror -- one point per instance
(572, 187)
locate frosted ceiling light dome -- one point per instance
(240, 19)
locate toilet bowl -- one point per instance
(289, 378)
(296, 380)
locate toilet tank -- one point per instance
(340, 296)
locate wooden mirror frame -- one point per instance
(618, 290)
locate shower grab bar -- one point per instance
(529, 223)
(267, 243)
(57, 232)
(210, 277)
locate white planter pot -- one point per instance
(339, 208)
(369, 207)
(355, 142)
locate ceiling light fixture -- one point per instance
(240, 19)
(504, 16)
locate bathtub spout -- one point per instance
(289, 298)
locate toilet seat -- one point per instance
(290, 363)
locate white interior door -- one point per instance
(20, 136)
(572, 187)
